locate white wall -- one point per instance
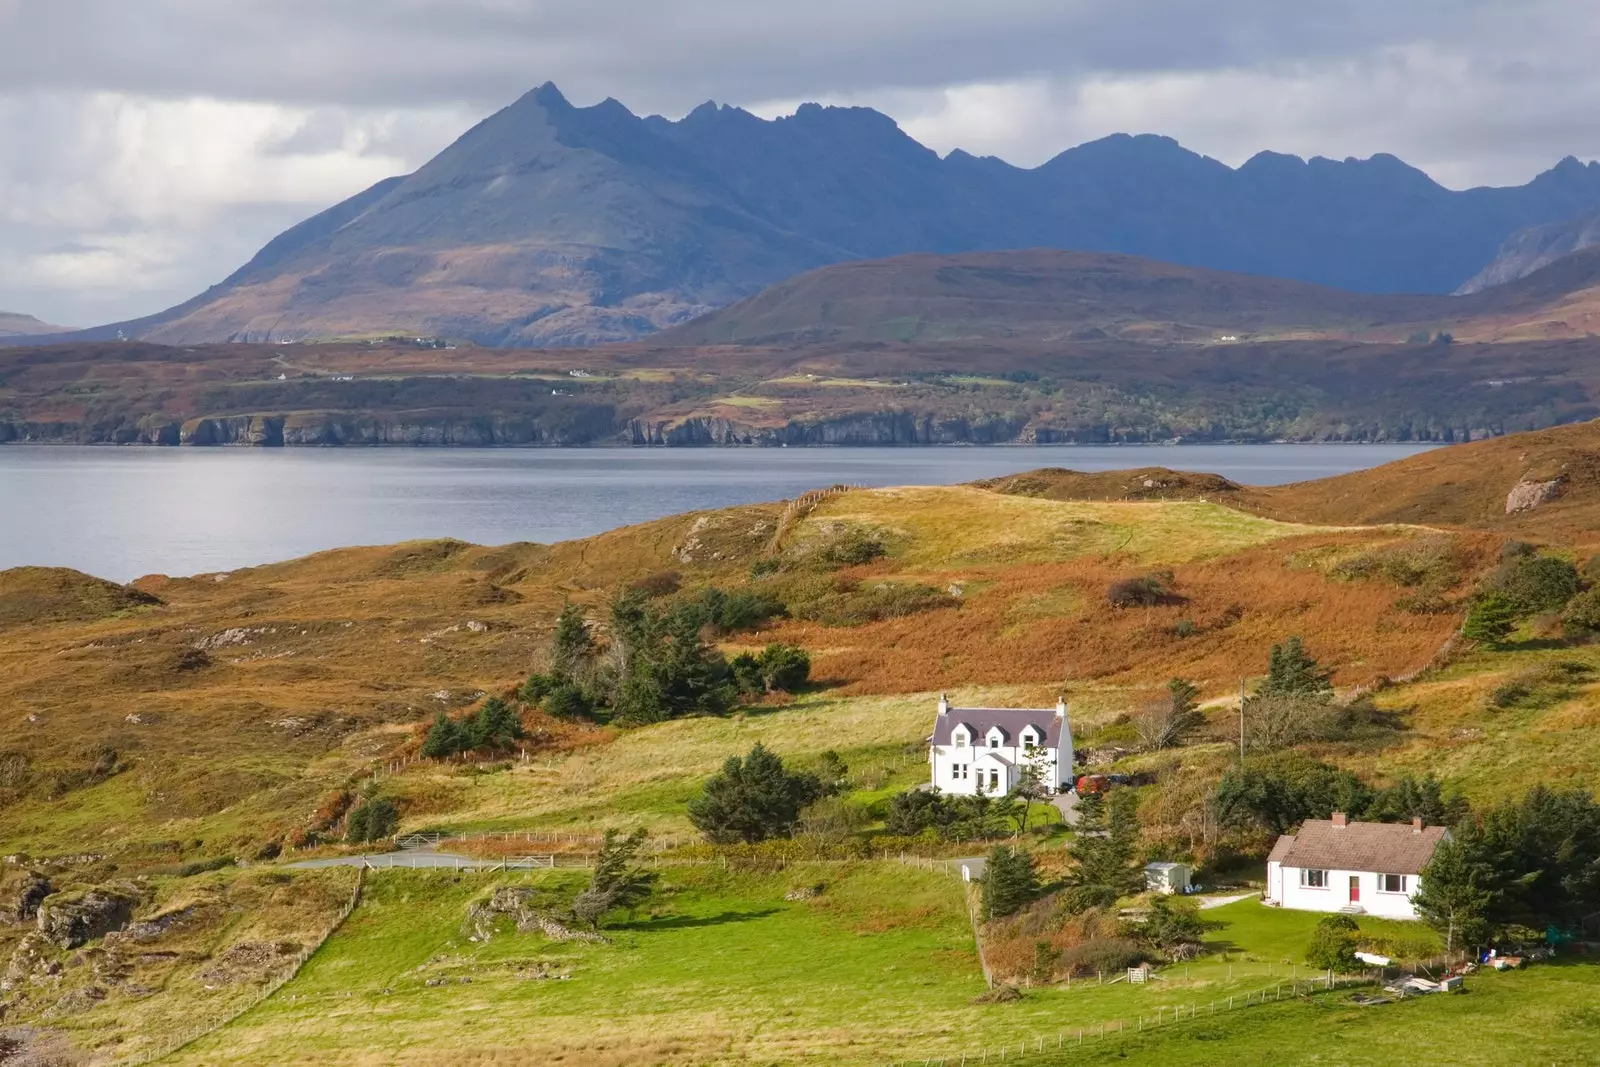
(944, 758)
(1284, 886)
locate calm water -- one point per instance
(124, 512)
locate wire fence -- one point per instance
(1047, 1048)
(182, 1041)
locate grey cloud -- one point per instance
(1471, 90)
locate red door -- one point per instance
(1355, 889)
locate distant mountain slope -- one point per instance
(1040, 294)
(1535, 247)
(13, 324)
(1045, 295)
(548, 224)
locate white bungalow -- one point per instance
(1358, 868)
(982, 750)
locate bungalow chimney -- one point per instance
(1339, 822)
(1061, 707)
(944, 705)
(1416, 824)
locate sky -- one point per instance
(148, 148)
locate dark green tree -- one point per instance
(1172, 923)
(567, 701)
(571, 647)
(372, 820)
(1009, 882)
(494, 725)
(617, 884)
(784, 668)
(752, 799)
(1333, 944)
(1291, 671)
(1104, 851)
(444, 739)
(1278, 792)
(1536, 583)
(745, 670)
(1490, 619)
(1454, 894)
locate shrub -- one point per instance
(1431, 562)
(1583, 612)
(1281, 720)
(1143, 592)
(660, 584)
(189, 870)
(746, 672)
(1536, 583)
(730, 612)
(1168, 723)
(853, 603)
(1185, 628)
(784, 668)
(1102, 955)
(852, 547)
(1515, 550)
(1333, 944)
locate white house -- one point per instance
(975, 750)
(1358, 868)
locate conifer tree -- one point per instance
(1490, 619)
(1009, 882)
(444, 738)
(616, 883)
(1291, 671)
(752, 799)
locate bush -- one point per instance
(746, 672)
(852, 547)
(1536, 583)
(1145, 592)
(1583, 612)
(1102, 956)
(852, 603)
(1333, 944)
(1430, 562)
(660, 584)
(1291, 671)
(784, 668)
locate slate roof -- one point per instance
(1010, 720)
(1280, 848)
(1385, 848)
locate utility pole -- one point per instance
(1241, 722)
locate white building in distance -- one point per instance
(975, 750)
(1358, 868)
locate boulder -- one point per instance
(1526, 495)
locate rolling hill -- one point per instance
(15, 325)
(554, 225)
(182, 759)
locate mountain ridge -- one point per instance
(548, 224)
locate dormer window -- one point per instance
(1030, 738)
(996, 738)
(960, 738)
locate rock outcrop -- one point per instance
(71, 919)
(21, 893)
(1526, 495)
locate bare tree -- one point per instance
(1167, 723)
(1281, 720)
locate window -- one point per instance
(1313, 879)
(958, 771)
(994, 778)
(1391, 883)
(960, 738)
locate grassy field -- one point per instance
(724, 969)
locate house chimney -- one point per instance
(1416, 824)
(1339, 822)
(1061, 707)
(944, 705)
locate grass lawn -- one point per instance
(724, 969)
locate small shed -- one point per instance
(1166, 877)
